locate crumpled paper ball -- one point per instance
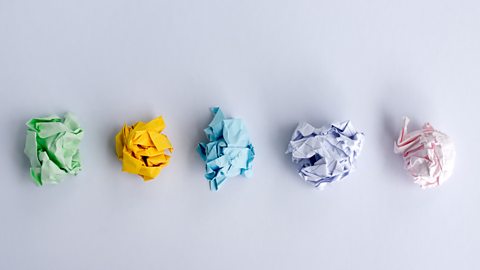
(52, 146)
(327, 154)
(143, 148)
(428, 154)
(229, 151)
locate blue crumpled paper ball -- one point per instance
(229, 152)
(327, 154)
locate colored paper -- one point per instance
(143, 149)
(327, 154)
(52, 146)
(229, 151)
(428, 154)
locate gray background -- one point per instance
(271, 63)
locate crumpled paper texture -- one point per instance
(229, 151)
(52, 146)
(327, 154)
(428, 154)
(143, 148)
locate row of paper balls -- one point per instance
(321, 155)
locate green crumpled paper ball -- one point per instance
(52, 146)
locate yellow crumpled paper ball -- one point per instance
(142, 148)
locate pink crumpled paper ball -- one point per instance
(428, 154)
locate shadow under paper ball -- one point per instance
(21, 161)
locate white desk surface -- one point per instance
(272, 63)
